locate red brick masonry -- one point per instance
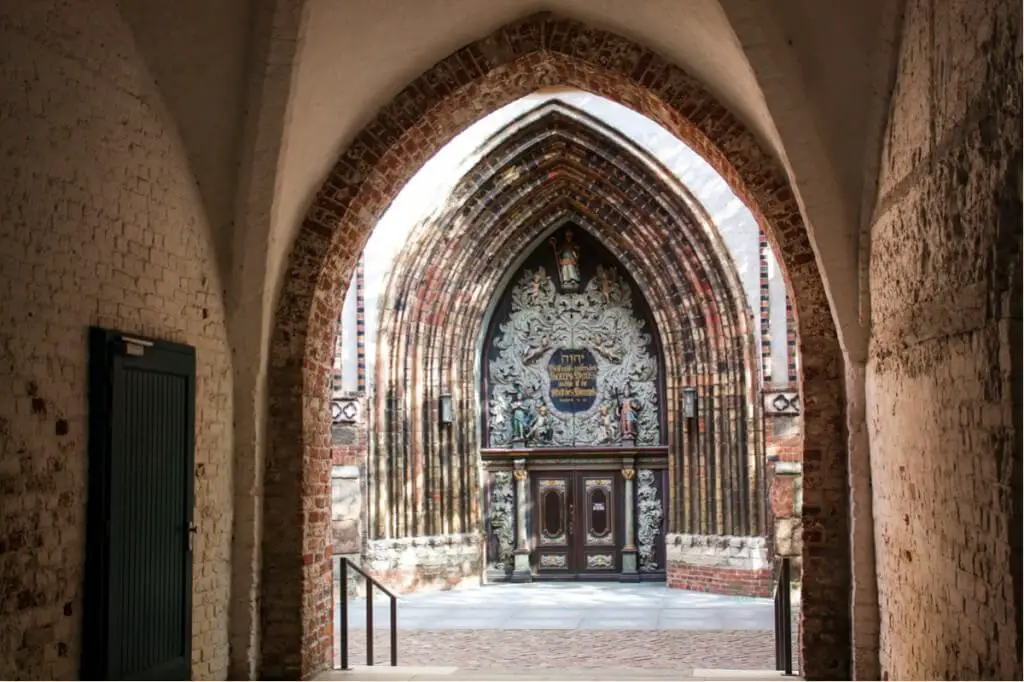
(732, 581)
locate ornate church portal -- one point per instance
(565, 380)
(574, 426)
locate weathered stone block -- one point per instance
(438, 562)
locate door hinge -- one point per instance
(136, 347)
(192, 530)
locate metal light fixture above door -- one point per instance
(445, 408)
(689, 402)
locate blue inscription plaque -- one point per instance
(573, 375)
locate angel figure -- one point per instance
(536, 288)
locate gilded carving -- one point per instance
(553, 561)
(547, 539)
(573, 366)
(556, 483)
(599, 561)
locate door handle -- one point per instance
(192, 530)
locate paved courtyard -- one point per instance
(547, 626)
(569, 606)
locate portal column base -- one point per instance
(521, 573)
(629, 571)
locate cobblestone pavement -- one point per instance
(494, 650)
(550, 627)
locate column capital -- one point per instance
(520, 474)
(628, 474)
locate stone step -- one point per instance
(453, 674)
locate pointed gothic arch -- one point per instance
(556, 164)
(517, 59)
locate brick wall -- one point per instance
(943, 380)
(349, 442)
(719, 564)
(746, 583)
(535, 52)
(100, 223)
(783, 440)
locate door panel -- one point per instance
(553, 523)
(139, 559)
(597, 519)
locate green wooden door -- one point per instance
(139, 554)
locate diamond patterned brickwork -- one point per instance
(538, 51)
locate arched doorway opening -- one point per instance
(553, 167)
(537, 52)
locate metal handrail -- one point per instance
(784, 619)
(370, 584)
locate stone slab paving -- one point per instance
(552, 627)
(569, 606)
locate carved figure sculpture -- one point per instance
(542, 429)
(629, 413)
(521, 420)
(605, 279)
(568, 256)
(536, 287)
(606, 425)
(615, 334)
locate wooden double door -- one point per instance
(577, 521)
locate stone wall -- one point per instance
(346, 510)
(438, 562)
(719, 564)
(944, 379)
(100, 224)
(349, 435)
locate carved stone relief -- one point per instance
(649, 520)
(553, 561)
(503, 519)
(600, 561)
(573, 366)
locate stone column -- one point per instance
(521, 572)
(629, 564)
(864, 605)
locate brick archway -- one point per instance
(551, 165)
(536, 52)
